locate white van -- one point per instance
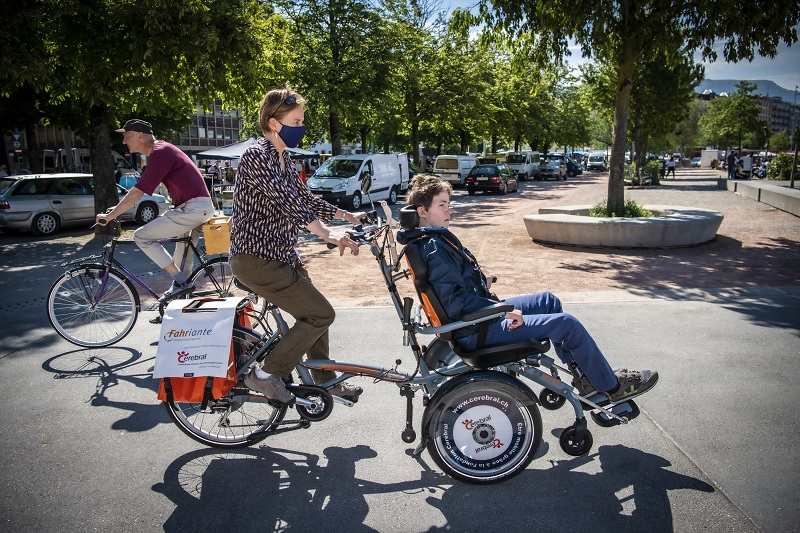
(597, 161)
(454, 168)
(524, 164)
(338, 180)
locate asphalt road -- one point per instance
(87, 447)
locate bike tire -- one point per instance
(224, 423)
(76, 315)
(483, 428)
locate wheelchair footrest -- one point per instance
(627, 410)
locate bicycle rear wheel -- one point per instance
(215, 278)
(83, 315)
(226, 423)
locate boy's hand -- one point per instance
(515, 317)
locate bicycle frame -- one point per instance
(110, 261)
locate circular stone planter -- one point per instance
(669, 226)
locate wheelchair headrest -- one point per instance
(409, 218)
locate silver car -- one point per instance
(552, 166)
(42, 203)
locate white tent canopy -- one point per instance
(231, 151)
(235, 151)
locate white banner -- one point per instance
(195, 338)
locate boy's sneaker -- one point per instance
(633, 383)
(347, 391)
(177, 290)
(272, 387)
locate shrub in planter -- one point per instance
(631, 209)
(780, 168)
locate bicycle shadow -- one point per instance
(278, 490)
(107, 366)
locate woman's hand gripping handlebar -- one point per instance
(357, 235)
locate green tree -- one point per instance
(413, 90)
(780, 140)
(341, 58)
(572, 113)
(112, 59)
(619, 31)
(729, 118)
(463, 90)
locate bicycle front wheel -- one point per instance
(90, 310)
(215, 278)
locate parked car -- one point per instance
(597, 161)
(43, 203)
(695, 161)
(491, 178)
(454, 168)
(524, 164)
(338, 180)
(552, 166)
(573, 167)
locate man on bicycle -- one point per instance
(191, 203)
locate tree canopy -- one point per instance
(113, 59)
(620, 31)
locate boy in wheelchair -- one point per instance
(462, 287)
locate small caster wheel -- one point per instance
(576, 449)
(408, 436)
(551, 400)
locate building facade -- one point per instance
(777, 114)
(62, 150)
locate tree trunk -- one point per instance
(494, 143)
(464, 138)
(34, 157)
(4, 160)
(616, 180)
(415, 143)
(363, 130)
(638, 144)
(336, 136)
(105, 186)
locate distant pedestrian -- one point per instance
(3, 171)
(671, 168)
(732, 159)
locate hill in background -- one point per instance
(765, 88)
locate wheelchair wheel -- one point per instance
(551, 400)
(571, 446)
(483, 427)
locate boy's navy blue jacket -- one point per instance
(453, 273)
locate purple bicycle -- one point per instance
(95, 302)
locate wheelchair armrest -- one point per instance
(489, 310)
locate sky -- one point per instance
(784, 69)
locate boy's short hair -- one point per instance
(424, 187)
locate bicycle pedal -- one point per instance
(344, 401)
